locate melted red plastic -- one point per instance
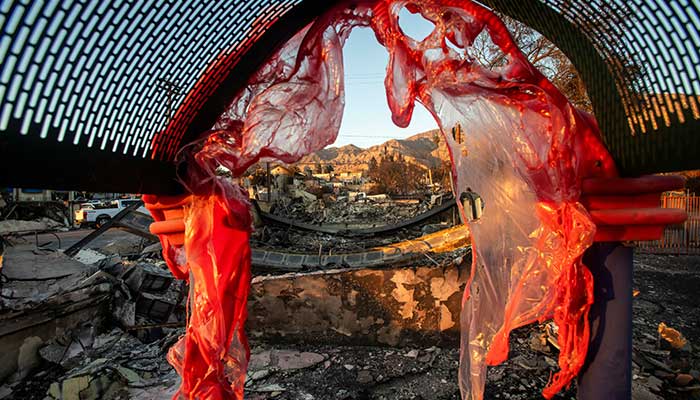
(525, 152)
(213, 355)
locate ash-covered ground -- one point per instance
(129, 368)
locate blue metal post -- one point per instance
(607, 373)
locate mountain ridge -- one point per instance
(419, 149)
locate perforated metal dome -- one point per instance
(640, 60)
(85, 86)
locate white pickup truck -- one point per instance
(99, 213)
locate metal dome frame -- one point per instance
(646, 132)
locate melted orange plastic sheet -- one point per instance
(525, 151)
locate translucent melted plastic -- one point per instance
(525, 151)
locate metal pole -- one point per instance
(607, 373)
(172, 90)
(269, 189)
(74, 249)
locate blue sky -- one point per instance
(367, 120)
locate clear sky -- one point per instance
(367, 120)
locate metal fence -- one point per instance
(682, 238)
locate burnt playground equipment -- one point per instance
(85, 86)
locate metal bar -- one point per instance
(57, 238)
(135, 230)
(74, 249)
(12, 209)
(607, 373)
(36, 238)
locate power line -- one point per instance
(369, 136)
(368, 73)
(398, 136)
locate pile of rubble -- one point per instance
(115, 365)
(99, 328)
(52, 213)
(365, 372)
(666, 328)
(17, 226)
(147, 295)
(54, 311)
(345, 216)
(112, 365)
(360, 213)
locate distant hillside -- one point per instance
(418, 149)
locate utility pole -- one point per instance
(171, 89)
(269, 191)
